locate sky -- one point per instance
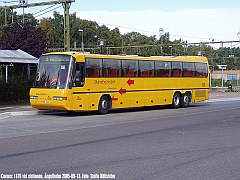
(190, 20)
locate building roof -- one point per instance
(226, 72)
(17, 56)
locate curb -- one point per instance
(5, 115)
(19, 113)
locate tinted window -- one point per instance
(176, 69)
(79, 75)
(129, 68)
(201, 70)
(146, 68)
(94, 67)
(162, 69)
(111, 67)
(53, 71)
(188, 69)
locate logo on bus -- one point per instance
(104, 81)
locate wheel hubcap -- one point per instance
(104, 104)
(186, 99)
(176, 100)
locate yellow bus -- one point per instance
(75, 81)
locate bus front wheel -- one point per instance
(176, 100)
(103, 105)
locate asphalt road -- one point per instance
(198, 142)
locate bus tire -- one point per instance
(103, 105)
(184, 100)
(176, 100)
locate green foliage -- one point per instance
(36, 41)
(57, 35)
(218, 83)
(27, 38)
(16, 90)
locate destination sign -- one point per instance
(55, 58)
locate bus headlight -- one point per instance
(34, 97)
(58, 98)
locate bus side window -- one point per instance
(79, 75)
(201, 70)
(176, 69)
(94, 67)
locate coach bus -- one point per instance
(75, 81)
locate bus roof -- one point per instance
(81, 55)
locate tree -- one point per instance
(46, 26)
(29, 18)
(90, 36)
(57, 35)
(5, 20)
(27, 38)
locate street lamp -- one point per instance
(238, 34)
(80, 30)
(171, 49)
(161, 30)
(7, 70)
(211, 39)
(101, 44)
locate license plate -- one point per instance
(45, 102)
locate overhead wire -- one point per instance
(139, 30)
(48, 11)
(134, 29)
(44, 9)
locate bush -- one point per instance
(218, 82)
(16, 90)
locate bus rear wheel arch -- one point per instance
(104, 104)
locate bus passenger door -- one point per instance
(79, 100)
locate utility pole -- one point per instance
(161, 30)
(66, 5)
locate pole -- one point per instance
(66, 6)
(161, 30)
(5, 16)
(222, 78)
(210, 79)
(23, 15)
(82, 48)
(28, 72)
(6, 73)
(82, 42)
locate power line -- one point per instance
(66, 5)
(43, 10)
(47, 11)
(139, 30)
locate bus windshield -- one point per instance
(54, 71)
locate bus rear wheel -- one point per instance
(184, 100)
(103, 105)
(176, 100)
